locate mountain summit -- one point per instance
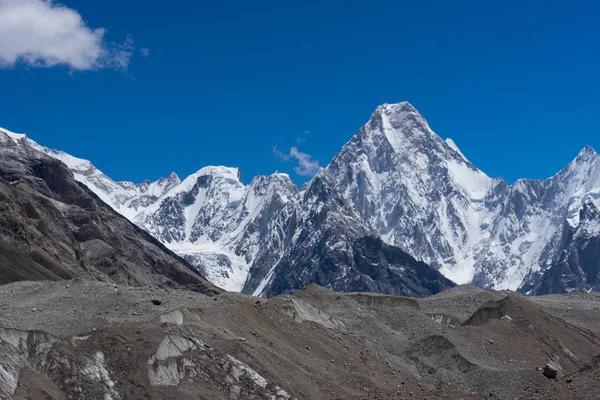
(395, 181)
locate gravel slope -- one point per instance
(318, 344)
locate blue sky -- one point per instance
(176, 86)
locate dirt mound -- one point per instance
(444, 319)
(459, 303)
(581, 309)
(301, 311)
(375, 299)
(490, 310)
(437, 353)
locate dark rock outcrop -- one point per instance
(332, 246)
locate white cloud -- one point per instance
(43, 33)
(145, 52)
(306, 165)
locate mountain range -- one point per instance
(394, 201)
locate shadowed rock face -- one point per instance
(52, 228)
(333, 246)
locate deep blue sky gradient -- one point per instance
(514, 83)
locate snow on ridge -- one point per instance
(475, 183)
(462, 234)
(74, 163)
(454, 147)
(71, 161)
(232, 173)
(12, 135)
(215, 247)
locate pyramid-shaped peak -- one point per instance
(585, 157)
(396, 108)
(398, 115)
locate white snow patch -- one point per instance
(474, 182)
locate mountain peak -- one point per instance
(585, 159)
(277, 178)
(229, 173)
(396, 111)
(586, 152)
(281, 176)
(401, 124)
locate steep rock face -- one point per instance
(534, 216)
(125, 197)
(217, 223)
(332, 246)
(210, 218)
(576, 267)
(51, 227)
(226, 242)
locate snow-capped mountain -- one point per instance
(415, 189)
(395, 179)
(421, 194)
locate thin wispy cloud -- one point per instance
(145, 52)
(121, 55)
(306, 165)
(302, 137)
(44, 33)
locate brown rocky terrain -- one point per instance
(85, 340)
